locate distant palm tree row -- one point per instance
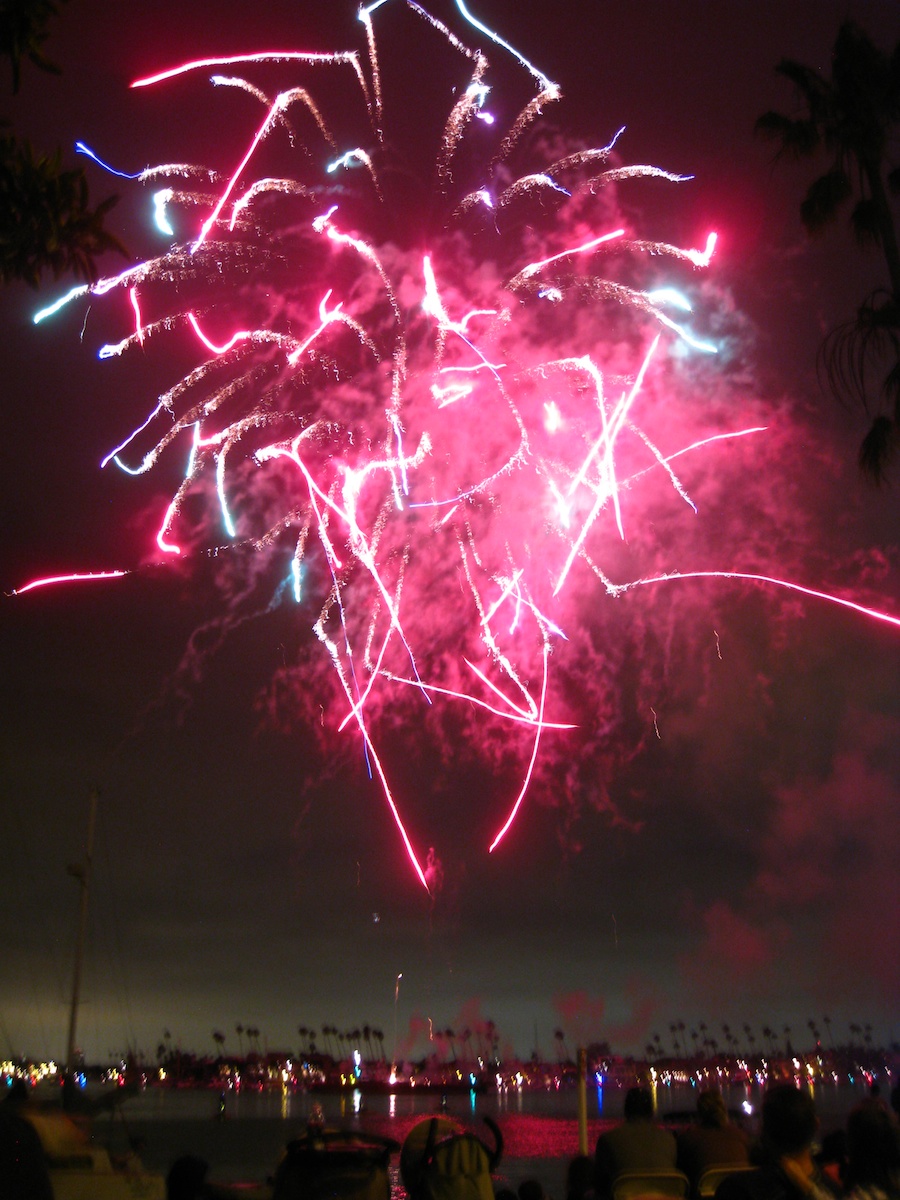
(700, 1041)
(335, 1043)
(252, 1038)
(703, 1044)
(339, 1044)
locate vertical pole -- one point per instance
(396, 998)
(582, 1101)
(82, 873)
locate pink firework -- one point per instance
(434, 392)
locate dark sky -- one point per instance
(716, 842)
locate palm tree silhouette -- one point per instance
(705, 1039)
(467, 1043)
(852, 117)
(827, 1023)
(439, 1038)
(493, 1038)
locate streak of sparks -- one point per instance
(71, 577)
(864, 610)
(81, 148)
(138, 319)
(204, 64)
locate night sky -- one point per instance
(716, 842)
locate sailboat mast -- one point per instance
(82, 873)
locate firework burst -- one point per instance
(428, 392)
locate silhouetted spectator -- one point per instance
(580, 1178)
(532, 1189)
(186, 1179)
(873, 1154)
(788, 1171)
(638, 1144)
(713, 1142)
(23, 1165)
(832, 1156)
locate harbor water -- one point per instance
(242, 1135)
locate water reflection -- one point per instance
(540, 1129)
(401, 1110)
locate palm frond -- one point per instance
(854, 116)
(865, 223)
(878, 447)
(797, 138)
(810, 84)
(23, 31)
(824, 198)
(859, 361)
(48, 224)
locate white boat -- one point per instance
(79, 1170)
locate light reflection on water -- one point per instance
(354, 1109)
(393, 1115)
(540, 1129)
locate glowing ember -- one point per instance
(419, 393)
